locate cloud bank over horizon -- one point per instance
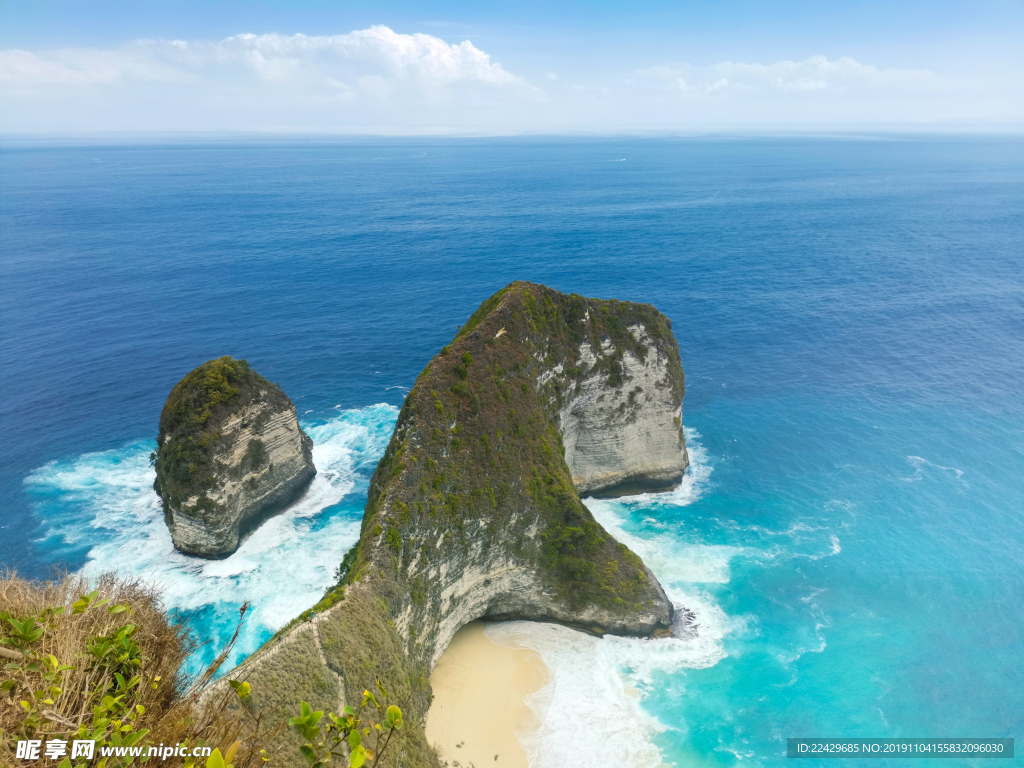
(376, 80)
(816, 73)
(271, 58)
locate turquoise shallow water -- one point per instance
(876, 595)
(850, 537)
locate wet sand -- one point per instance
(479, 688)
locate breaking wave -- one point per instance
(104, 504)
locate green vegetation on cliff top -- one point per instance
(190, 425)
(477, 440)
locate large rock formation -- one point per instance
(230, 455)
(473, 511)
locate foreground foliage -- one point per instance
(349, 734)
(104, 664)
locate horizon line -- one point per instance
(852, 131)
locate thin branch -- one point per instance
(49, 714)
(383, 749)
(222, 656)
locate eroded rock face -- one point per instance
(231, 455)
(626, 439)
(474, 511)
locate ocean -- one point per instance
(850, 314)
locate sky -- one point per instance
(413, 67)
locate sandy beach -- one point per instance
(479, 688)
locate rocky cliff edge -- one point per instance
(474, 511)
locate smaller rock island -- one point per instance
(230, 454)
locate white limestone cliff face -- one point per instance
(496, 579)
(627, 439)
(264, 463)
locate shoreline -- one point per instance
(479, 703)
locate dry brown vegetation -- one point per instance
(110, 641)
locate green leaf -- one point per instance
(357, 757)
(82, 604)
(133, 738)
(308, 753)
(354, 739)
(215, 760)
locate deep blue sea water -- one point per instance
(850, 313)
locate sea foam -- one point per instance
(619, 673)
(107, 502)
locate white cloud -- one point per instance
(369, 80)
(817, 73)
(377, 53)
(377, 80)
(25, 71)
